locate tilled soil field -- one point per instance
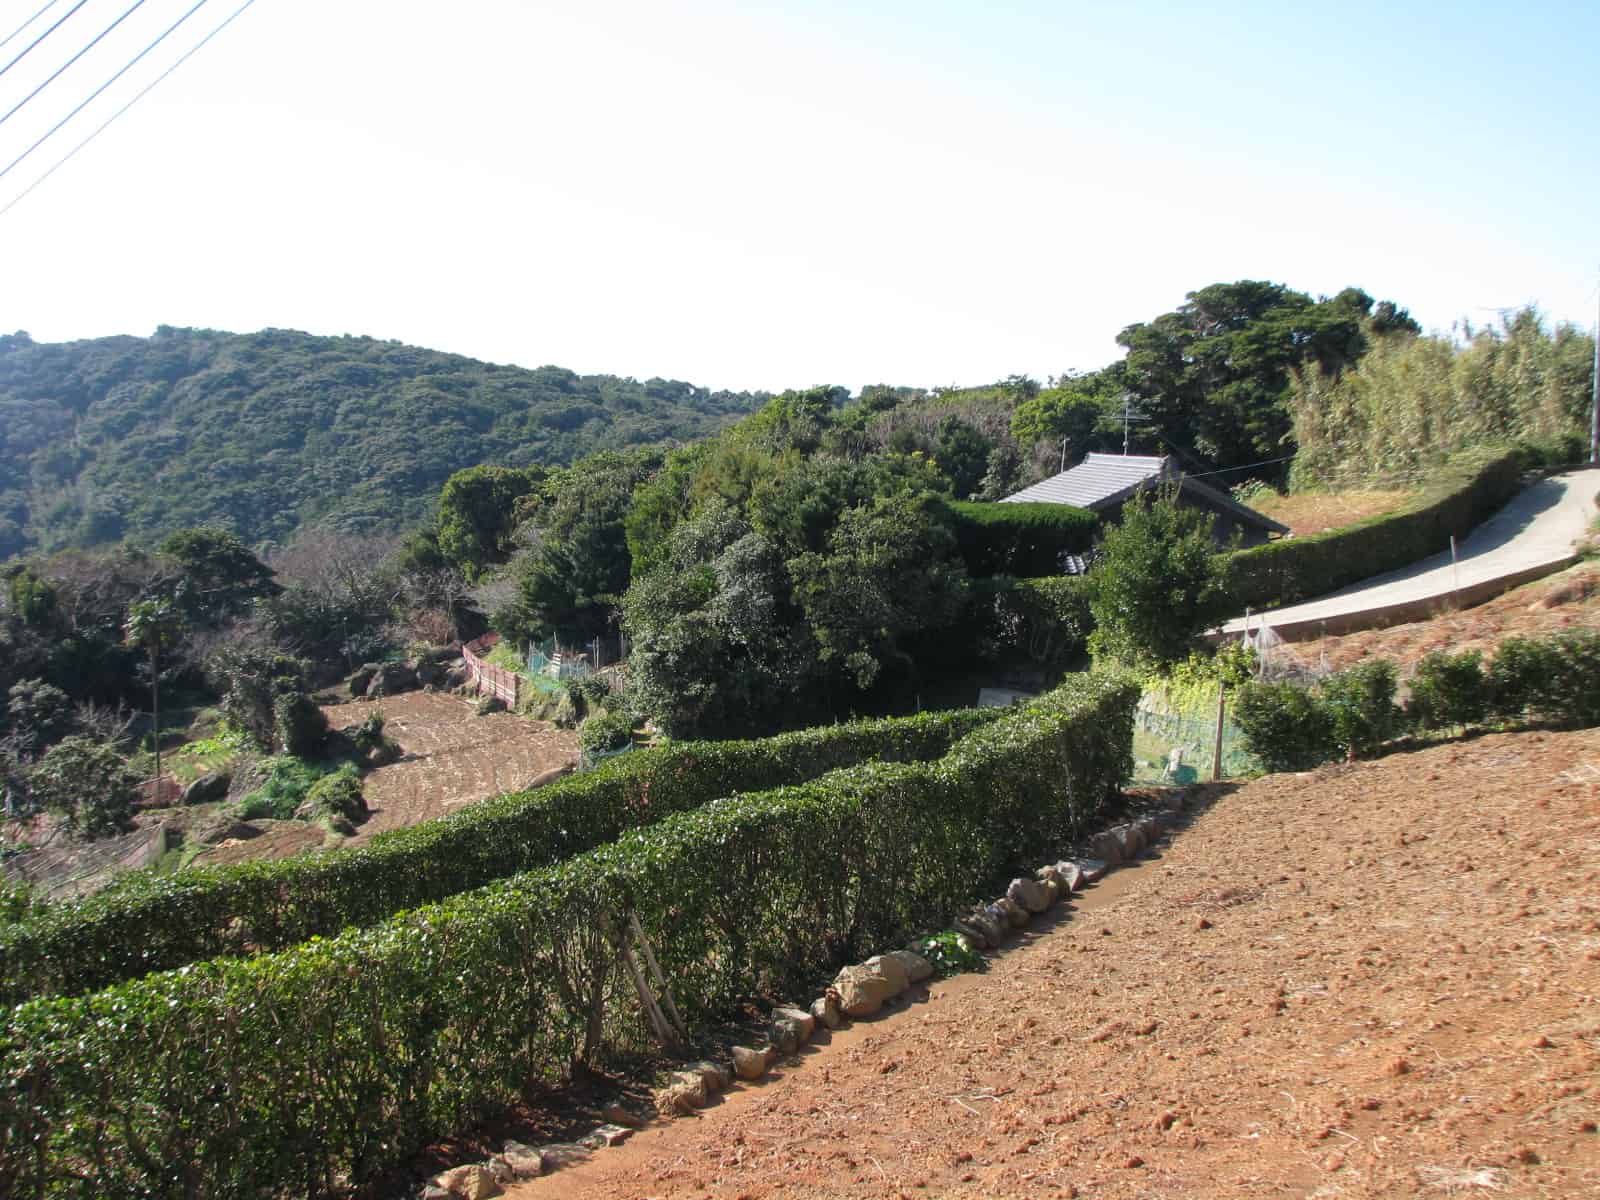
(452, 757)
(1374, 980)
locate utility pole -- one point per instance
(1063, 454)
(1594, 416)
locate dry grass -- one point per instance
(1315, 512)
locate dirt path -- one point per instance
(453, 756)
(1378, 979)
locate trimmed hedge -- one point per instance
(1462, 495)
(1018, 539)
(315, 1069)
(153, 923)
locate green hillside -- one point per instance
(127, 437)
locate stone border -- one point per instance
(857, 991)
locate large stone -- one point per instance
(209, 788)
(1133, 841)
(1092, 870)
(825, 1010)
(1107, 846)
(917, 968)
(525, 1162)
(684, 1094)
(973, 932)
(474, 1181)
(1150, 829)
(1071, 877)
(750, 1064)
(892, 969)
(791, 1028)
(619, 1114)
(863, 989)
(362, 679)
(717, 1076)
(430, 674)
(993, 931)
(1016, 916)
(391, 678)
(1029, 893)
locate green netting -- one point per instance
(1162, 727)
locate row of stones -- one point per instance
(857, 991)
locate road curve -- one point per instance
(1531, 536)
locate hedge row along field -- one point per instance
(155, 923)
(1462, 495)
(315, 1069)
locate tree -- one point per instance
(890, 571)
(1157, 583)
(218, 573)
(476, 515)
(38, 714)
(87, 784)
(154, 625)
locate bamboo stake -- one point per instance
(655, 970)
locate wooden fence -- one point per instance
(496, 681)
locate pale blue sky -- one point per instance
(774, 195)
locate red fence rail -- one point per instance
(489, 679)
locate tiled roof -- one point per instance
(1103, 480)
(1099, 480)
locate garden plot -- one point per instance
(453, 757)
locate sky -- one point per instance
(764, 196)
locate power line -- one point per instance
(97, 39)
(126, 67)
(42, 36)
(1266, 462)
(66, 158)
(10, 37)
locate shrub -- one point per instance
(334, 795)
(318, 1068)
(1284, 726)
(147, 922)
(1360, 705)
(1448, 690)
(604, 731)
(1018, 539)
(288, 781)
(88, 784)
(301, 728)
(1555, 679)
(1461, 496)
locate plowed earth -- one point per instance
(1374, 980)
(453, 757)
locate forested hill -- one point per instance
(127, 437)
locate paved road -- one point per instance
(1531, 536)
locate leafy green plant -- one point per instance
(288, 780)
(1448, 690)
(1285, 726)
(951, 954)
(1360, 705)
(335, 795)
(87, 784)
(604, 731)
(1554, 679)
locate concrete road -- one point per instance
(1531, 536)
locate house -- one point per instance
(1103, 483)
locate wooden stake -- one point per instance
(655, 971)
(1216, 750)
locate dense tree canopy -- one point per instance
(262, 433)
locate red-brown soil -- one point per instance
(1374, 980)
(1568, 600)
(452, 757)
